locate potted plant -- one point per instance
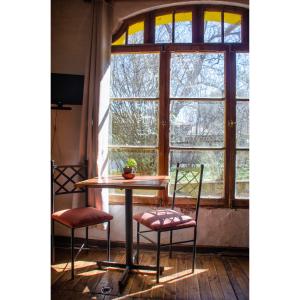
(129, 169)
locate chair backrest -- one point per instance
(188, 181)
(64, 177)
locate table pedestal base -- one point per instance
(128, 269)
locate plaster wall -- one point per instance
(70, 23)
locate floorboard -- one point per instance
(216, 277)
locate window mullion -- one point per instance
(229, 129)
(163, 137)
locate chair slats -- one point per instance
(65, 178)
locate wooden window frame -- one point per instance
(197, 45)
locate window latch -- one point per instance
(231, 123)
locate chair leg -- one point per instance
(86, 237)
(157, 257)
(72, 253)
(52, 243)
(137, 242)
(194, 249)
(170, 247)
(108, 240)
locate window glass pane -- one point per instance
(183, 27)
(146, 160)
(197, 75)
(121, 40)
(242, 75)
(232, 28)
(213, 177)
(163, 29)
(136, 33)
(146, 165)
(242, 124)
(242, 175)
(197, 123)
(133, 123)
(134, 75)
(212, 27)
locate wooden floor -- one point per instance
(216, 277)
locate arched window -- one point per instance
(180, 93)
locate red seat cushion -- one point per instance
(81, 217)
(164, 219)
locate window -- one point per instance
(220, 25)
(183, 97)
(164, 28)
(213, 27)
(136, 33)
(121, 40)
(197, 125)
(242, 126)
(134, 110)
(232, 28)
(183, 27)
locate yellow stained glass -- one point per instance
(164, 19)
(134, 28)
(212, 16)
(120, 40)
(232, 18)
(183, 17)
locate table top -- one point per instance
(138, 182)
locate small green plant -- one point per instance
(131, 163)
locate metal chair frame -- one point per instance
(158, 244)
(82, 172)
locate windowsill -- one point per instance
(180, 202)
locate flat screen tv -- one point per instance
(66, 89)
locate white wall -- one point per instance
(70, 21)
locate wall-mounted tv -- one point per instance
(66, 89)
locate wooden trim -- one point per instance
(245, 27)
(195, 25)
(222, 26)
(152, 28)
(211, 47)
(126, 36)
(204, 202)
(64, 241)
(119, 33)
(197, 47)
(162, 112)
(156, 200)
(164, 118)
(173, 27)
(133, 147)
(199, 99)
(135, 99)
(241, 100)
(196, 148)
(231, 69)
(137, 200)
(240, 203)
(147, 29)
(135, 48)
(149, 18)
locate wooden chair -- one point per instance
(162, 220)
(62, 182)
